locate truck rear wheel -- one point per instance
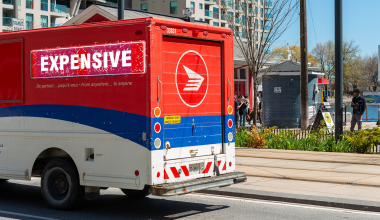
(60, 185)
(137, 193)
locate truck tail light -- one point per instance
(229, 123)
(157, 112)
(137, 173)
(157, 127)
(230, 163)
(229, 110)
(163, 27)
(195, 31)
(205, 33)
(157, 143)
(184, 30)
(224, 35)
(158, 174)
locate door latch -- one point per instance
(194, 126)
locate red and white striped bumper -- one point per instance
(178, 170)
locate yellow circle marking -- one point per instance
(327, 117)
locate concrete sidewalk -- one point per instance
(333, 179)
(313, 166)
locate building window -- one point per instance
(29, 21)
(261, 12)
(29, 4)
(173, 7)
(215, 13)
(44, 21)
(215, 24)
(200, 6)
(44, 5)
(223, 24)
(144, 7)
(242, 74)
(192, 7)
(235, 74)
(256, 46)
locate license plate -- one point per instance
(194, 168)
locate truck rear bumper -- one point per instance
(178, 188)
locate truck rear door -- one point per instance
(192, 98)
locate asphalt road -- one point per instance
(23, 200)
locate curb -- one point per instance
(294, 200)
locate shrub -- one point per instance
(256, 138)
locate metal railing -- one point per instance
(58, 8)
(268, 4)
(7, 2)
(55, 25)
(44, 25)
(215, 15)
(208, 13)
(268, 16)
(7, 22)
(210, 0)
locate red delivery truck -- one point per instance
(144, 105)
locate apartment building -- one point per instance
(46, 13)
(210, 10)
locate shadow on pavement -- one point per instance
(27, 199)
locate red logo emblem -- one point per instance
(191, 78)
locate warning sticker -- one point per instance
(172, 119)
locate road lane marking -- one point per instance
(287, 204)
(25, 215)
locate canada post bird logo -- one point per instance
(195, 80)
(191, 78)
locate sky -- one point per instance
(360, 23)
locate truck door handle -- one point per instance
(194, 126)
(160, 89)
(230, 89)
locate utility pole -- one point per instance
(338, 69)
(120, 9)
(15, 9)
(304, 68)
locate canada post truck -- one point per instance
(144, 105)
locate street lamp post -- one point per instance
(338, 69)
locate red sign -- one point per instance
(94, 60)
(191, 78)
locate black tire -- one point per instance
(60, 185)
(137, 193)
(3, 180)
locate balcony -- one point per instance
(268, 16)
(208, 13)
(55, 25)
(29, 4)
(215, 15)
(44, 6)
(210, 1)
(7, 22)
(268, 4)
(58, 8)
(44, 25)
(7, 2)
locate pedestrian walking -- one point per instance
(248, 109)
(242, 110)
(359, 105)
(236, 102)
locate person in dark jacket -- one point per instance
(359, 106)
(236, 112)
